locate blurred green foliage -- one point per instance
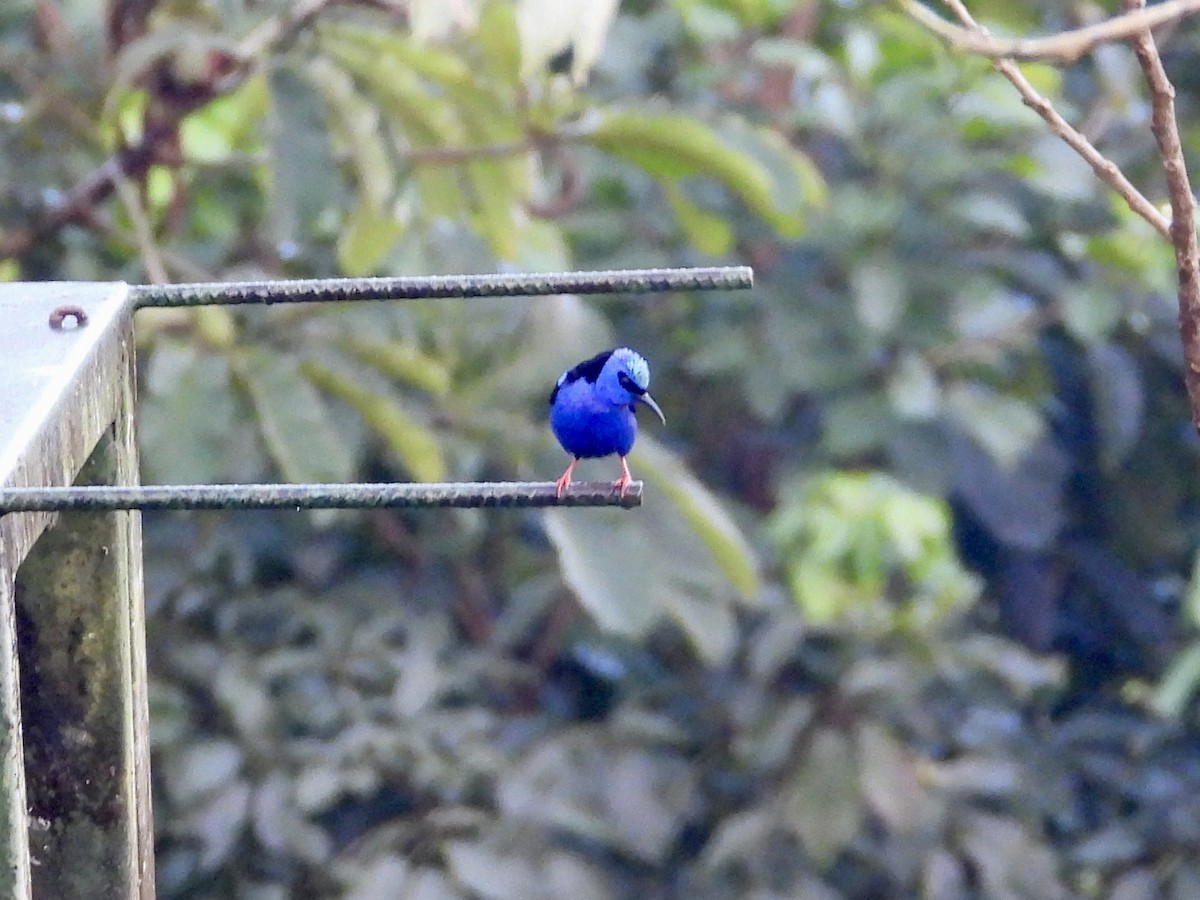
(862, 550)
(959, 368)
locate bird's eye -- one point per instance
(629, 384)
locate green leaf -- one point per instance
(417, 448)
(1179, 685)
(368, 235)
(849, 539)
(177, 444)
(1118, 401)
(427, 61)
(464, 114)
(227, 125)
(401, 362)
(880, 294)
(420, 118)
(302, 169)
(913, 389)
(600, 555)
(699, 509)
(674, 146)
(500, 44)
(797, 185)
(823, 801)
(355, 122)
(633, 571)
(293, 419)
(683, 560)
(857, 422)
(1090, 311)
(496, 205)
(707, 231)
(1006, 427)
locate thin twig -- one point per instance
(143, 232)
(1183, 204)
(1065, 47)
(424, 156)
(1107, 170)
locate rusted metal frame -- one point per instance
(441, 287)
(75, 818)
(75, 772)
(403, 495)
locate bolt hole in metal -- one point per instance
(64, 314)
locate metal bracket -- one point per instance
(74, 749)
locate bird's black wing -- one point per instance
(589, 370)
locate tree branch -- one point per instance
(78, 204)
(1183, 204)
(1065, 47)
(1107, 170)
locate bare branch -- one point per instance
(1065, 47)
(143, 231)
(1105, 168)
(1183, 204)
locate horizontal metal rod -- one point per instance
(317, 290)
(511, 494)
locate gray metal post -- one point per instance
(75, 818)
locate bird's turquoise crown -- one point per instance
(638, 368)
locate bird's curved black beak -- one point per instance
(645, 397)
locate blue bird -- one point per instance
(592, 409)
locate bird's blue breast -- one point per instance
(589, 426)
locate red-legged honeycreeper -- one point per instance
(592, 409)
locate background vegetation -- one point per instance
(909, 610)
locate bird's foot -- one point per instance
(622, 483)
(564, 480)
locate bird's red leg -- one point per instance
(564, 480)
(622, 483)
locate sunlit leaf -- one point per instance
(402, 362)
(417, 448)
(216, 131)
(708, 232)
(500, 43)
(847, 539)
(421, 120)
(674, 146)
(355, 123)
(368, 235)
(1180, 683)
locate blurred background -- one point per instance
(910, 609)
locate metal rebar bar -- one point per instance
(523, 494)
(317, 290)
